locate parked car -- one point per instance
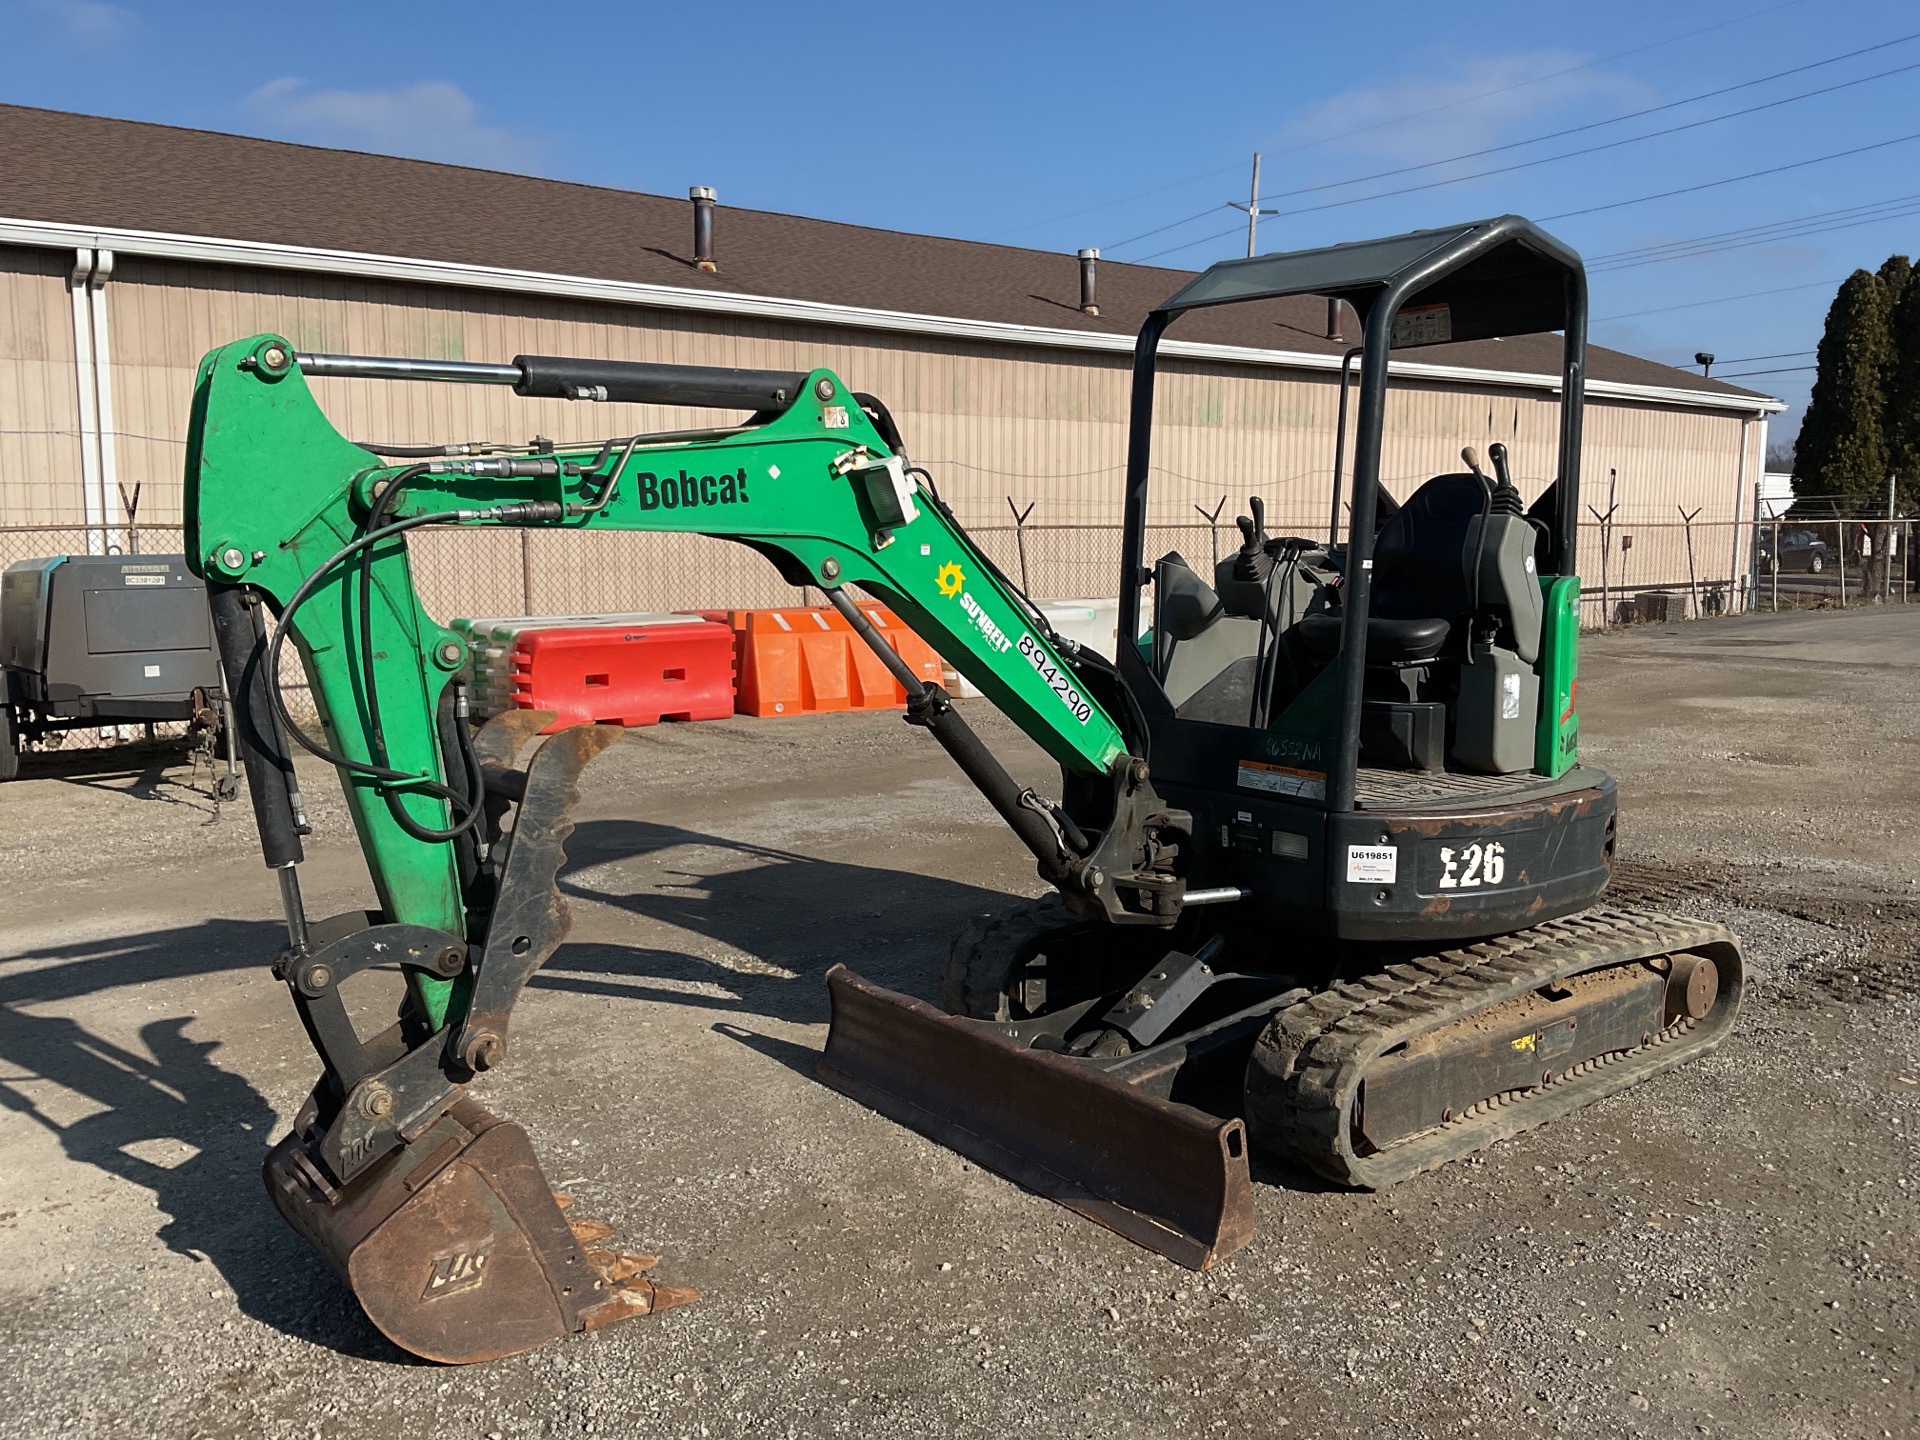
(1799, 550)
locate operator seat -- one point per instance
(1453, 631)
(1422, 579)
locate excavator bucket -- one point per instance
(456, 1247)
(1165, 1175)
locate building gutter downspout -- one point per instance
(1740, 486)
(93, 386)
(114, 537)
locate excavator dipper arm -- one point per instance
(301, 536)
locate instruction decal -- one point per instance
(1373, 864)
(1423, 325)
(1283, 780)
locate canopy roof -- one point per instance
(1503, 276)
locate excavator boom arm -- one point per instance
(268, 475)
(275, 494)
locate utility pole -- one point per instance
(1252, 207)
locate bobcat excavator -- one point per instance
(1324, 857)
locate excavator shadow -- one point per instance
(159, 1112)
(773, 922)
(759, 924)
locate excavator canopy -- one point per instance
(1496, 277)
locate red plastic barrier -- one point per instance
(624, 675)
(800, 661)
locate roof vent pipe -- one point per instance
(1336, 319)
(1089, 302)
(702, 197)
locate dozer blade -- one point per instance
(455, 1246)
(1165, 1175)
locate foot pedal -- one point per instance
(455, 1245)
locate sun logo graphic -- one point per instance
(950, 579)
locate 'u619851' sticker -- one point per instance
(1372, 864)
(1055, 677)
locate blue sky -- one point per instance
(1058, 126)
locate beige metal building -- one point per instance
(128, 250)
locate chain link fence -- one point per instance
(1634, 571)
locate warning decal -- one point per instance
(1283, 780)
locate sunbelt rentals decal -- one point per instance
(951, 581)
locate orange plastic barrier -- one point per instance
(796, 662)
(623, 674)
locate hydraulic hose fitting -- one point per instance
(526, 512)
(529, 467)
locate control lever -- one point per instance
(1506, 498)
(1253, 562)
(1497, 453)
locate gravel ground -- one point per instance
(1727, 1250)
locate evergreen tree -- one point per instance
(1840, 459)
(1894, 274)
(1903, 399)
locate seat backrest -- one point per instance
(1186, 604)
(1420, 568)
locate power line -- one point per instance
(1719, 300)
(1792, 227)
(1632, 115)
(1784, 370)
(1411, 115)
(1736, 179)
(1537, 80)
(1612, 205)
(1109, 204)
(1593, 149)
(1176, 249)
(1175, 225)
(1749, 359)
(1902, 214)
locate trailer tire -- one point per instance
(9, 744)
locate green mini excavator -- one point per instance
(1324, 858)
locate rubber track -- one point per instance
(981, 959)
(1304, 1077)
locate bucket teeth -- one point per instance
(617, 1265)
(632, 1298)
(460, 1250)
(562, 1200)
(589, 1232)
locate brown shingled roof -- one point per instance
(123, 174)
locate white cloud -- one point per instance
(428, 120)
(87, 22)
(1474, 104)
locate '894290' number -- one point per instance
(1058, 682)
(1469, 867)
